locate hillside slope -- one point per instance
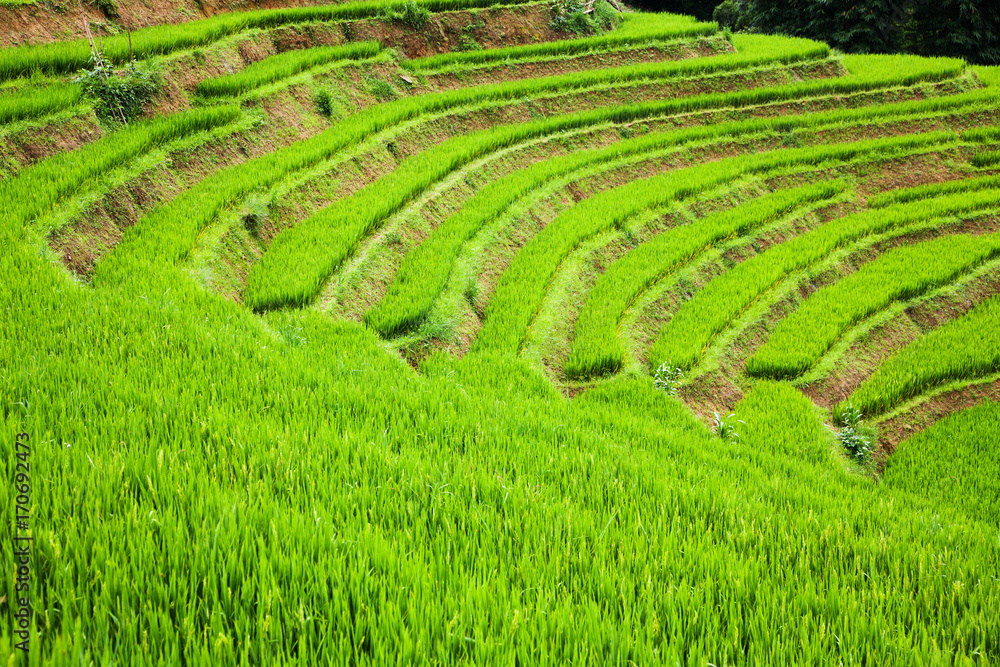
(343, 351)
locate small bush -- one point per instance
(413, 15)
(605, 16)
(324, 102)
(109, 7)
(730, 15)
(256, 211)
(382, 91)
(119, 96)
(568, 16)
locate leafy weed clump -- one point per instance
(119, 96)
(855, 436)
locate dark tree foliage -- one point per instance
(700, 9)
(967, 29)
(857, 26)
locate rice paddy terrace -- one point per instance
(392, 339)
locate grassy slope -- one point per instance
(227, 487)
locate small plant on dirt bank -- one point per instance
(725, 427)
(109, 7)
(582, 17)
(413, 15)
(118, 96)
(256, 211)
(382, 90)
(324, 102)
(854, 435)
(668, 378)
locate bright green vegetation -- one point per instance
(282, 66)
(903, 195)
(956, 460)
(803, 337)
(597, 348)
(425, 270)
(302, 258)
(215, 482)
(964, 348)
(58, 57)
(38, 188)
(37, 102)
(522, 286)
(986, 159)
(635, 30)
(684, 339)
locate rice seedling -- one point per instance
(33, 102)
(523, 284)
(967, 347)
(215, 486)
(282, 66)
(635, 30)
(692, 328)
(68, 56)
(597, 348)
(425, 270)
(803, 337)
(903, 195)
(953, 461)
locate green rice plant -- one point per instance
(800, 339)
(216, 487)
(781, 422)
(33, 102)
(697, 321)
(425, 270)
(597, 348)
(684, 339)
(982, 135)
(522, 286)
(282, 66)
(964, 348)
(301, 258)
(637, 29)
(169, 232)
(988, 75)
(955, 461)
(903, 195)
(986, 159)
(61, 57)
(37, 188)
(299, 262)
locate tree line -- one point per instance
(968, 29)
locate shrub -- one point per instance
(414, 15)
(730, 15)
(256, 211)
(382, 90)
(605, 16)
(119, 96)
(568, 16)
(324, 102)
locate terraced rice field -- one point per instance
(344, 356)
